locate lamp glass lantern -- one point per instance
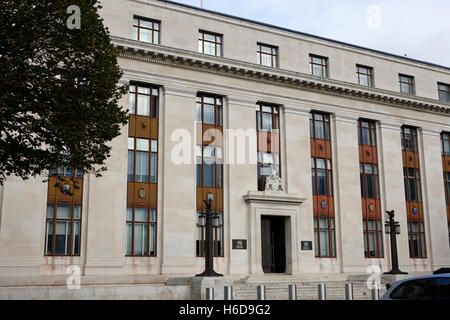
(215, 220)
(202, 220)
(387, 227)
(397, 227)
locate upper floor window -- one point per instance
(319, 125)
(268, 148)
(319, 66)
(445, 145)
(412, 184)
(322, 177)
(366, 133)
(209, 165)
(143, 101)
(444, 92)
(209, 110)
(267, 118)
(210, 43)
(365, 75)
(370, 188)
(142, 160)
(409, 139)
(66, 172)
(406, 84)
(267, 55)
(447, 188)
(146, 30)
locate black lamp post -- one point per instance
(208, 221)
(393, 228)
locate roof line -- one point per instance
(303, 33)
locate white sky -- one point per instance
(418, 28)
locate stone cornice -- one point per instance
(274, 197)
(159, 54)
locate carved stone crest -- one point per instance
(274, 183)
(142, 193)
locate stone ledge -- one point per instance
(274, 197)
(37, 281)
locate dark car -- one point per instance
(433, 287)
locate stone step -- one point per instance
(278, 290)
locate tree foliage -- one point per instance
(59, 88)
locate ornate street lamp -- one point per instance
(392, 227)
(209, 220)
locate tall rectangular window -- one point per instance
(209, 168)
(365, 75)
(413, 193)
(445, 147)
(142, 172)
(322, 185)
(370, 189)
(141, 232)
(210, 43)
(373, 238)
(268, 137)
(319, 66)
(406, 84)
(444, 92)
(146, 30)
(267, 55)
(63, 218)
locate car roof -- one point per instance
(443, 275)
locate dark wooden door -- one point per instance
(273, 247)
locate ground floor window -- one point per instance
(324, 237)
(141, 232)
(217, 237)
(416, 235)
(373, 240)
(63, 229)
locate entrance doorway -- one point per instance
(273, 244)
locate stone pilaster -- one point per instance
(178, 213)
(22, 227)
(435, 213)
(393, 198)
(104, 211)
(297, 174)
(240, 176)
(348, 210)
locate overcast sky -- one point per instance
(418, 28)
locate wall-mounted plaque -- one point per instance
(306, 245)
(239, 244)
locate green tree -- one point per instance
(59, 88)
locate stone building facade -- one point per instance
(352, 132)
